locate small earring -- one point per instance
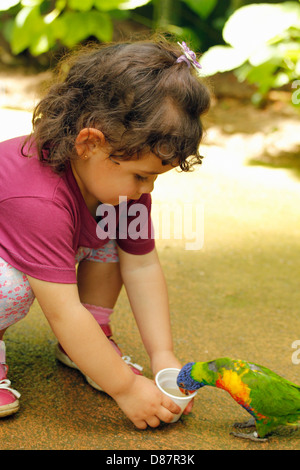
(85, 157)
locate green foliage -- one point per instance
(202, 7)
(263, 46)
(38, 26)
(260, 41)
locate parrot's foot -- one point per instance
(251, 436)
(247, 424)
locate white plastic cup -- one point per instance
(165, 380)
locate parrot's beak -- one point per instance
(185, 392)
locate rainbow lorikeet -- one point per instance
(271, 400)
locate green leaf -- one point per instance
(7, 4)
(263, 76)
(74, 27)
(31, 3)
(254, 25)
(28, 24)
(281, 79)
(221, 59)
(132, 4)
(290, 50)
(42, 43)
(265, 54)
(60, 4)
(30, 31)
(107, 5)
(81, 5)
(202, 7)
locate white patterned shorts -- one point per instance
(16, 295)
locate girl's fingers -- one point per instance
(140, 424)
(170, 405)
(165, 414)
(188, 409)
(153, 421)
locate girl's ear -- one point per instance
(88, 139)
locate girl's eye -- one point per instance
(140, 178)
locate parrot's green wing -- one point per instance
(270, 394)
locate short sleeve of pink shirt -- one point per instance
(44, 219)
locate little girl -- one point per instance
(120, 116)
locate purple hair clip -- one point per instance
(188, 56)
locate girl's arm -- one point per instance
(147, 292)
(86, 344)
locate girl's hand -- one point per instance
(144, 404)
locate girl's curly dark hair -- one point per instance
(135, 93)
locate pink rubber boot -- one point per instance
(9, 403)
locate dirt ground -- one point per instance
(236, 293)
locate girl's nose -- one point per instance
(147, 187)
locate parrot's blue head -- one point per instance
(185, 380)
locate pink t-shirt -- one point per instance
(44, 218)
